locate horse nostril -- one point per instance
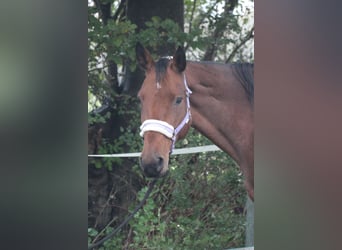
(160, 161)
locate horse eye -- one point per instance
(179, 100)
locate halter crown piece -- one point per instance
(165, 128)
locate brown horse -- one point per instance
(214, 98)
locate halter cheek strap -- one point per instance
(165, 128)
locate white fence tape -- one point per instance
(177, 151)
(243, 248)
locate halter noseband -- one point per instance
(165, 128)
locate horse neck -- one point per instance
(217, 104)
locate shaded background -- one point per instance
(298, 120)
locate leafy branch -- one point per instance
(249, 36)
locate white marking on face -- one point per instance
(158, 85)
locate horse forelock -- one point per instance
(161, 68)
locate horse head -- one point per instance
(165, 108)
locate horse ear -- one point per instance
(179, 60)
(143, 57)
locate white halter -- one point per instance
(165, 128)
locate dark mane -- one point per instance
(161, 66)
(244, 72)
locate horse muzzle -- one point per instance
(154, 166)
